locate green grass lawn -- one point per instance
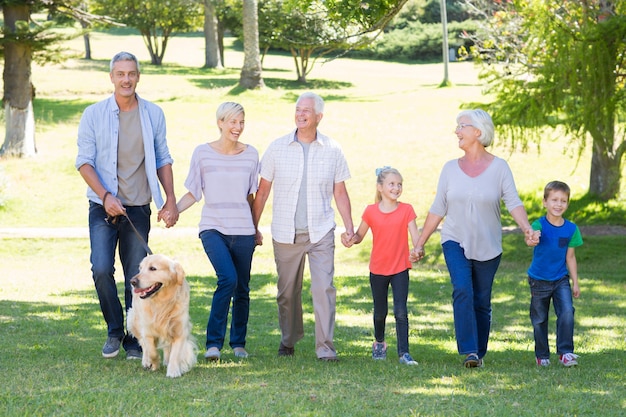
(53, 332)
(383, 114)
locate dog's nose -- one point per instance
(134, 281)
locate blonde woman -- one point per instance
(225, 173)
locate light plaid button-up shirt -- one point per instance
(283, 163)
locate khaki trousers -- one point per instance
(290, 259)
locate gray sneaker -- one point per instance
(240, 353)
(212, 354)
(132, 354)
(111, 347)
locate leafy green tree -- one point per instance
(455, 11)
(559, 63)
(23, 41)
(311, 29)
(156, 20)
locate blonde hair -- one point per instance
(228, 110)
(381, 174)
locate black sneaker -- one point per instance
(111, 347)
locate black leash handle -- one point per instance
(113, 220)
(143, 242)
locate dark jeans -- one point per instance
(560, 292)
(231, 257)
(105, 238)
(400, 289)
(471, 298)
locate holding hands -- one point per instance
(417, 254)
(167, 218)
(531, 237)
(349, 239)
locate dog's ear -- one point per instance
(180, 273)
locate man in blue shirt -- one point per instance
(122, 156)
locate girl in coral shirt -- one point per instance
(389, 220)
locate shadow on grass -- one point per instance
(45, 327)
(51, 354)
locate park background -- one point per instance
(383, 113)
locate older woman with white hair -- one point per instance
(468, 196)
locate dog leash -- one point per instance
(113, 220)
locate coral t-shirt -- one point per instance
(390, 247)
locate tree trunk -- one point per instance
(446, 54)
(220, 40)
(251, 71)
(87, 46)
(18, 90)
(300, 73)
(86, 39)
(212, 58)
(155, 44)
(606, 169)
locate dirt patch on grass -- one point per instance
(603, 230)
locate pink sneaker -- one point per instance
(543, 362)
(568, 359)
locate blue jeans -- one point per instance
(471, 298)
(560, 292)
(400, 290)
(231, 257)
(104, 238)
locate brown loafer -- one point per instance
(285, 351)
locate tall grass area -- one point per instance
(52, 329)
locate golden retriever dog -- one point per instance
(159, 317)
